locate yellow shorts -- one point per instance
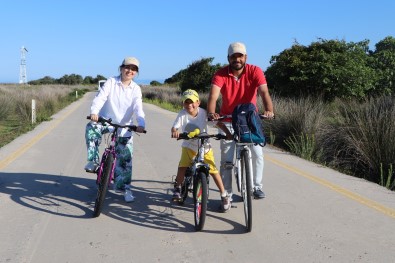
(187, 156)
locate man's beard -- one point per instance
(237, 66)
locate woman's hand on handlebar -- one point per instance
(94, 117)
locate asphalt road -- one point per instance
(311, 213)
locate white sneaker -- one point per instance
(226, 203)
(128, 195)
(116, 189)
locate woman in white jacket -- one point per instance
(120, 99)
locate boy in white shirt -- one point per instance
(188, 119)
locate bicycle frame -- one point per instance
(239, 148)
(198, 162)
(198, 165)
(110, 149)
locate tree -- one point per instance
(384, 64)
(43, 81)
(327, 68)
(88, 80)
(176, 78)
(198, 75)
(72, 79)
(155, 83)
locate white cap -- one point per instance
(237, 47)
(130, 61)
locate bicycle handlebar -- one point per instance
(109, 121)
(229, 116)
(187, 136)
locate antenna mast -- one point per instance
(22, 68)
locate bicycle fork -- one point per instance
(238, 166)
(101, 168)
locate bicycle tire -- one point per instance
(103, 185)
(200, 190)
(246, 189)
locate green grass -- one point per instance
(164, 105)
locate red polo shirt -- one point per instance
(236, 91)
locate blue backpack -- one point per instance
(247, 125)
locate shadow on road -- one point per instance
(74, 197)
(53, 194)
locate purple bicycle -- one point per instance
(105, 171)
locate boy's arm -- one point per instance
(176, 125)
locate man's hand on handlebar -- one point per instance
(212, 116)
(268, 115)
(140, 129)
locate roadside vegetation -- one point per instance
(334, 103)
(352, 136)
(16, 106)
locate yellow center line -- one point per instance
(365, 201)
(14, 155)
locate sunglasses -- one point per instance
(131, 67)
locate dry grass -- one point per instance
(350, 136)
(16, 106)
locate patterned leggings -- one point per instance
(123, 148)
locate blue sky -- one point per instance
(92, 37)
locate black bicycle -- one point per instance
(197, 177)
(105, 171)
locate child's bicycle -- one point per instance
(105, 170)
(197, 177)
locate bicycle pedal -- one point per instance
(176, 200)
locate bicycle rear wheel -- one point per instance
(200, 190)
(103, 184)
(246, 189)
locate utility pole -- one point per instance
(22, 68)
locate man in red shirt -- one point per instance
(239, 83)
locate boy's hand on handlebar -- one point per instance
(174, 133)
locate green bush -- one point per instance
(326, 68)
(360, 140)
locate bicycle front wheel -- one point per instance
(103, 184)
(246, 189)
(200, 189)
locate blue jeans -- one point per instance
(227, 157)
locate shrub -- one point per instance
(361, 139)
